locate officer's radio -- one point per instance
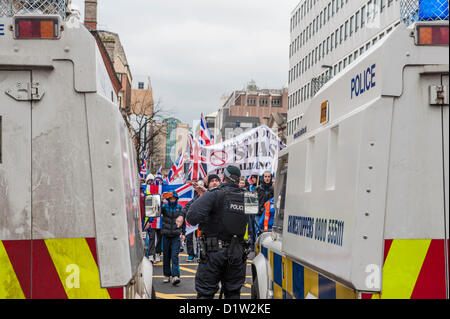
(250, 203)
(152, 206)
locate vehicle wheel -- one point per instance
(255, 289)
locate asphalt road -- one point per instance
(186, 289)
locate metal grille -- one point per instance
(10, 8)
(423, 10)
(318, 82)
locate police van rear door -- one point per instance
(15, 180)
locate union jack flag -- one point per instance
(177, 168)
(143, 171)
(197, 167)
(205, 138)
(185, 192)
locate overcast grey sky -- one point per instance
(197, 50)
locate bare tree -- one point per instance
(141, 118)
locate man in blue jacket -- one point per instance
(173, 234)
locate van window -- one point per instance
(280, 194)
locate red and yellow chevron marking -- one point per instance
(52, 269)
(413, 268)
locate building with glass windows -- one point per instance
(327, 36)
(169, 141)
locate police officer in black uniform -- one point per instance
(221, 218)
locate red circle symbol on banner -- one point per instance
(218, 158)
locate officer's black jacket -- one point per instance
(205, 205)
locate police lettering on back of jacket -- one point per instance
(221, 217)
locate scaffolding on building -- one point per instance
(9, 8)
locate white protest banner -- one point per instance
(254, 152)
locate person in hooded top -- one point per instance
(264, 191)
(173, 234)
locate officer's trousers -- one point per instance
(217, 268)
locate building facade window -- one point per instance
(357, 18)
(363, 16)
(263, 102)
(352, 25)
(336, 38)
(346, 30)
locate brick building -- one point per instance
(246, 109)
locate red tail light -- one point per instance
(36, 28)
(432, 35)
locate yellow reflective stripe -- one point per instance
(76, 268)
(402, 267)
(289, 286)
(343, 292)
(9, 284)
(311, 280)
(277, 291)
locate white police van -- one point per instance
(361, 193)
(69, 189)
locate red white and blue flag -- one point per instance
(143, 171)
(154, 189)
(177, 168)
(198, 165)
(206, 137)
(185, 192)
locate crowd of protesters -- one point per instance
(263, 188)
(165, 234)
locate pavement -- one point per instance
(186, 289)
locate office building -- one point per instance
(326, 37)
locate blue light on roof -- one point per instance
(431, 10)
